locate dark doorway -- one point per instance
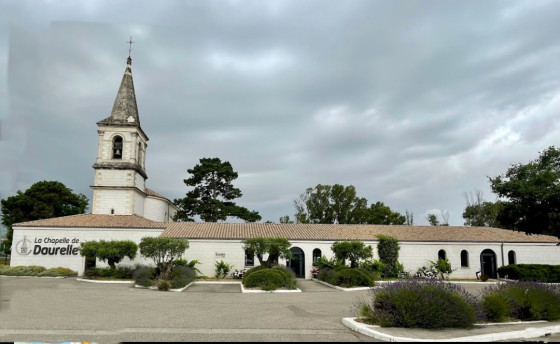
(90, 262)
(297, 263)
(488, 263)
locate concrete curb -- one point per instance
(103, 281)
(531, 332)
(248, 291)
(340, 288)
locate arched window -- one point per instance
(464, 259)
(511, 258)
(442, 255)
(117, 147)
(316, 254)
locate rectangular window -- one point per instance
(249, 259)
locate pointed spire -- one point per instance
(125, 109)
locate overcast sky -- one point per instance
(412, 102)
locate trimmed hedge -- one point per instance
(346, 277)
(422, 304)
(531, 272)
(269, 279)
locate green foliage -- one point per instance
(433, 219)
(163, 251)
(441, 268)
(533, 195)
(35, 270)
(351, 250)
(213, 194)
(346, 278)
(250, 271)
(43, 200)
(373, 267)
(110, 251)
(323, 263)
(144, 276)
(497, 307)
(191, 265)
(340, 204)
(163, 285)
(289, 276)
(531, 272)
(222, 269)
(388, 251)
(121, 272)
(480, 213)
(266, 279)
(523, 301)
(275, 248)
(180, 276)
(411, 303)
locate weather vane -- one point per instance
(130, 46)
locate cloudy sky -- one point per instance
(412, 102)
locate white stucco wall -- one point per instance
(156, 209)
(75, 236)
(412, 254)
(106, 199)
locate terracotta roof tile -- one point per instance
(202, 230)
(95, 220)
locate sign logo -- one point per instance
(23, 246)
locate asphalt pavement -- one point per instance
(53, 310)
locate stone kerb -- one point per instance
(517, 330)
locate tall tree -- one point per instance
(43, 200)
(380, 214)
(213, 194)
(275, 248)
(532, 193)
(433, 219)
(353, 250)
(481, 213)
(340, 204)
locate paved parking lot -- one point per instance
(57, 310)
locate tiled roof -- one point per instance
(202, 230)
(95, 220)
(151, 192)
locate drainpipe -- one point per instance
(502, 254)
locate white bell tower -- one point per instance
(119, 185)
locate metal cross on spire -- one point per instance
(130, 46)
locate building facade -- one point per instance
(125, 209)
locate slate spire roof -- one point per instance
(125, 110)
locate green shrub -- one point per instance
(374, 268)
(346, 278)
(266, 279)
(250, 271)
(531, 272)
(289, 277)
(526, 300)
(222, 269)
(163, 285)
(144, 276)
(422, 304)
(180, 276)
(497, 307)
(388, 250)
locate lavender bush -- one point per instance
(522, 301)
(423, 304)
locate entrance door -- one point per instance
(297, 263)
(488, 263)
